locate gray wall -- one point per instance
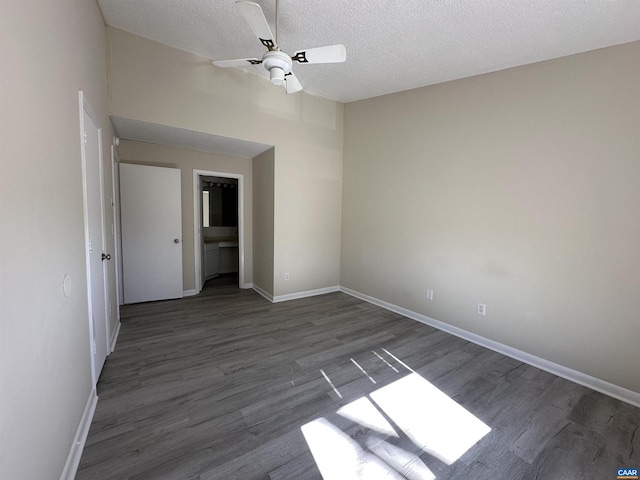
(518, 189)
(49, 51)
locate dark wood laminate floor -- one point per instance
(218, 386)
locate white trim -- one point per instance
(105, 268)
(308, 293)
(117, 237)
(75, 452)
(246, 285)
(262, 292)
(602, 386)
(85, 106)
(85, 208)
(197, 229)
(114, 336)
(197, 233)
(189, 293)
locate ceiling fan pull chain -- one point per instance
(277, 9)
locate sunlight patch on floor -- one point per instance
(433, 422)
(338, 456)
(365, 413)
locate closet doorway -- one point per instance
(218, 228)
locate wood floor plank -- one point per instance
(575, 453)
(302, 467)
(218, 386)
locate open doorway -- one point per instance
(218, 229)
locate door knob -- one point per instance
(106, 257)
(176, 240)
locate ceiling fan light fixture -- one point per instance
(276, 75)
(278, 64)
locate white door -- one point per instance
(97, 256)
(151, 221)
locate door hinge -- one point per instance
(95, 349)
(86, 142)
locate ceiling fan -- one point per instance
(276, 62)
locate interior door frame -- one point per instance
(115, 171)
(85, 106)
(117, 249)
(197, 227)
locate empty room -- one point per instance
(292, 239)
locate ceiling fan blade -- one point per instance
(257, 21)
(291, 83)
(240, 62)
(329, 54)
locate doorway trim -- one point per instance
(117, 238)
(197, 228)
(85, 106)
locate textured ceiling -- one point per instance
(392, 45)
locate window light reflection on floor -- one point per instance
(435, 423)
(365, 413)
(338, 456)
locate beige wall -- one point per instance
(158, 84)
(263, 239)
(49, 51)
(188, 161)
(518, 189)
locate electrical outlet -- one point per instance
(429, 293)
(286, 276)
(482, 309)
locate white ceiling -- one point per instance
(139, 131)
(392, 45)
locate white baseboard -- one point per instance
(73, 459)
(246, 286)
(262, 292)
(114, 337)
(189, 293)
(602, 386)
(308, 293)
